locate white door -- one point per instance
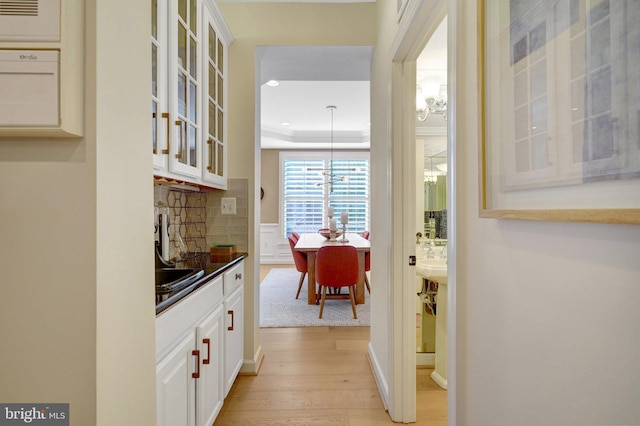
(175, 385)
(233, 344)
(209, 334)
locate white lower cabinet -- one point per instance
(175, 390)
(234, 333)
(209, 389)
(199, 351)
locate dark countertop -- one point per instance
(211, 271)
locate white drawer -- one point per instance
(233, 278)
(182, 318)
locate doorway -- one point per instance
(431, 201)
(297, 136)
(422, 20)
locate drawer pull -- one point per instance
(196, 375)
(231, 327)
(239, 276)
(208, 343)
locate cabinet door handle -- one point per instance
(208, 343)
(154, 115)
(231, 327)
(179, 154)
(239, 276)
(196, 375)
(210, 166)
(166, 115)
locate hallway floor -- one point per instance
(320, 376)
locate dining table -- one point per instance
(310, 243)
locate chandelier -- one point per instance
(431, 98)
(330, 177)
(431, 175)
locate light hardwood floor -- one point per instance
(320, 376)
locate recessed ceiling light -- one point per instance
(272, 83)
(285, 123)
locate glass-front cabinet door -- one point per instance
(215, 148)
(189, 46)
(159, 101)
(184, 86)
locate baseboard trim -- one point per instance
(441, 381)
(252, 367)
(381, 383)
(425, 359)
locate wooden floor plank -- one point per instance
(306, 383)
(321, 376)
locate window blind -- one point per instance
(307, 193)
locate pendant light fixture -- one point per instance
(329, 176)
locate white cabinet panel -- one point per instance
(189, 43)
(175, 385)
(210, 338)
(234, 336)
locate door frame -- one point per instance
(420, 20)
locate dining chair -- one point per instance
(295, 236)
(300, 260)
(367, 262)
(337, 266)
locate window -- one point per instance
(306, 192)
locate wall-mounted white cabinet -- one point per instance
(41, 69)
(189, 43)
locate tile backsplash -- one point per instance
(229, 229)
(197, 222)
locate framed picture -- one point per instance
(560, 110)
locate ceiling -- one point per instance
(314, 77)
(310, 79)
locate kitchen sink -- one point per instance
(169, 280)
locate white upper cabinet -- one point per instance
(159, 86)
(189, 50)
(215, 99)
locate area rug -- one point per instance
(280, 308)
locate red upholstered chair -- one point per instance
(300, 259)
(295, 236)
(367, 261)
(337, 266)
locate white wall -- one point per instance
(380, 180)
(118, 77)
(76, 312)
(547, 312)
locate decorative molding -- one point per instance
(314, 136)
(425, 358)
(274, 249)
(431, 131)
